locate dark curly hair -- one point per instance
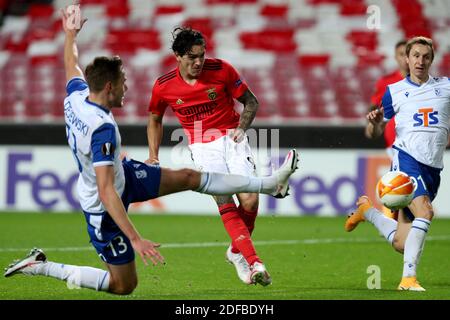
(184, 38)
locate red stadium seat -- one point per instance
(314, 59)
(303, 79)
(40, 11)
(273, 11)
(168, 9)
(271, 40)
(129, 40)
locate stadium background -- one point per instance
(312, 64)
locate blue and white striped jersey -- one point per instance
(422, 118)
(94, 138)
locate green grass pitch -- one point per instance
(308, 258)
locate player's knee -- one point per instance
(250, 204)
(124, 288)
(429, 214)
(190, 178)
(398, 245)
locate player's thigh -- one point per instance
(123, 278)
(115, 249)
(239, 158)
(173, 181)
(403, 228)
(249, 201)
(210, 157)
(421, 207)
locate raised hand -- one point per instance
(71, 19)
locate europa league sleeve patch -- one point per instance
(103, 144)
(108, 149)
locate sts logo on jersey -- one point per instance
(425, 117)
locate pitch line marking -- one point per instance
(222, 244)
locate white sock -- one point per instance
(221, 184)
(385, 225)
(414, 245)
(76, 277)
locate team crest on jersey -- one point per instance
(437, 91)
(212, 94)
(179, 101)
(108, 149)
(407, 94)
(141, 174)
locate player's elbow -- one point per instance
(189, 179)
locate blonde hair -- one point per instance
(420, 40)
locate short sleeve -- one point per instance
(76, 84)
(235, 84)
(157, 104)
(386, 102)
(103, 145)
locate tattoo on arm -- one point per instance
(251, 105)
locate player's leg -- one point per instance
(212, 157)
(427, 183)
(240, 160)
(246, 254)
(403, 227)
(213, 183)
(36, 263)
(112, 246)
(123, 278)
(248, 208)
(413, 247)
(365, 211)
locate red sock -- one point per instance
(249, 218)
(238, 232)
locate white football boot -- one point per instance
(241, 265)
(284, 172)
(260, 275)
(25, 265)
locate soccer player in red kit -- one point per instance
(375, 102)
(381, 85)
(201, 93)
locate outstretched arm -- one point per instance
(251, 105)
(154, 136)
(113, 204)
(72, 24)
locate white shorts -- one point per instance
(224, 156)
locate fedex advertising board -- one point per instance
(327, 183)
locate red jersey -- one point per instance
(205, 109)
(389, 131)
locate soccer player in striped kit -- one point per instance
(421, 106)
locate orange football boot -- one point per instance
(411, 284)
(354, 218)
